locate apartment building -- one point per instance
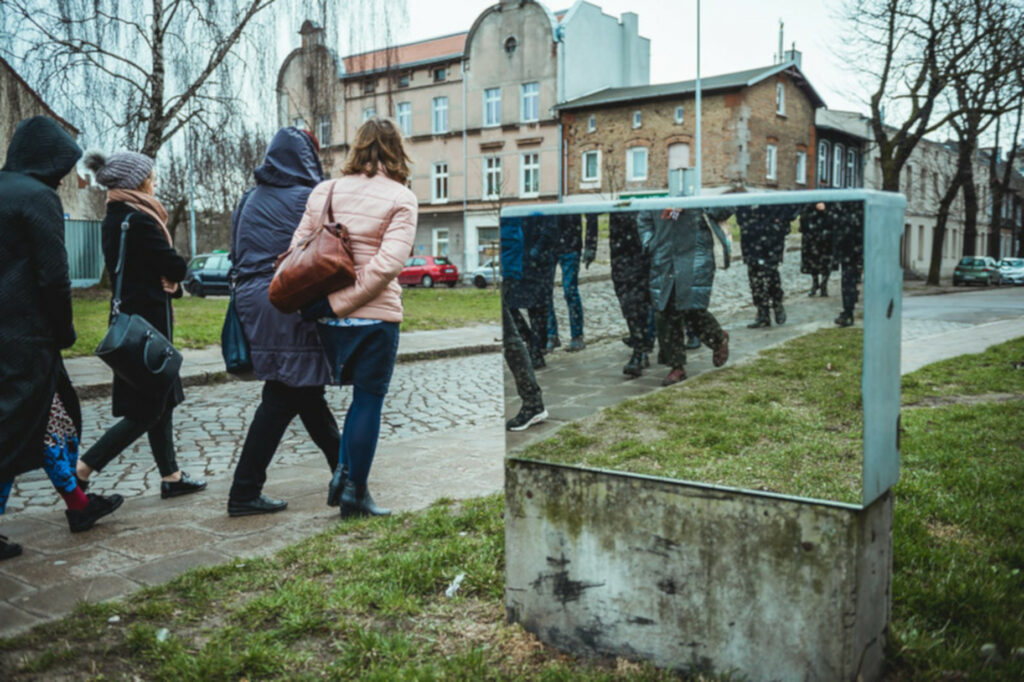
(477, 108)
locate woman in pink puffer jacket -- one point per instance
(358, 325)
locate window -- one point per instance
(823, 163)
(837, 166)
(910, 182)
(323, 131)
(636, 164)
(530, 102)
(441, 245)
(439, 182)
(771, 162)
(369, 85)
(403, 112)
(851, 167)
(591, 123)
(368, 113)
(440, 74)
(679, 115)
(403, 79)
(440, 115)
(529, 178)
(492, 177)
(299, 122)
(801, 168)
(492, 106)
(920, 242)
(510, 45)
(638, 119)
(780, 99)
(591, 166)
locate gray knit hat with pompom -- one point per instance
(122, 170)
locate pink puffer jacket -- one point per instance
(380, 215)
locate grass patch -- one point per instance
(443, 308)
(789, 422)
(1000, 369)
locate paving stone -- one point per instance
(16, 620)
(167, 568)
(59, 600)
(159, 541)
(11, 588)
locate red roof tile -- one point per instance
(425, 50)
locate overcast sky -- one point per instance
(735, 35)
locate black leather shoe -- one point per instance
(636, 364)
(845, 319)
(8, 549)
(780, 314)
(762, 320)
(357, 501)
(260, 505)
(99, 506)
(336, 486)
(184, 486)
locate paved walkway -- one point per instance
(443, 437)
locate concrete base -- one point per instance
(695, 577)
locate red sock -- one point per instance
(75, 499)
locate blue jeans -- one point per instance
(570, 263)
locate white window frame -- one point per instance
(492, 107)
(436, 239)
(529, 100)
(838, 159)
(771, 162)
(851, 167)
(801, 168)
(439, 117)
(823, 164)
(590, 179)
(299, 122)
(368, 113)
(492, 177)
(529, 169)
(631, 170)
(679, 113)
(591, 123)
(638, 119)
(439, 182)
(323, 131)
(780, 99)
(403, 114)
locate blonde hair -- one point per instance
(378, 143)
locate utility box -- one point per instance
(701, 577)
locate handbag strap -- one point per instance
(233, 272)
(327, 214)
(115, 304)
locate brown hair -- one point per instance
(378, 143)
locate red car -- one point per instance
(427, 270)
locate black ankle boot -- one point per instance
(762, 320)
(636, 364)
(824, 288)
(780, 313)
(336, 485)
(357, 501)
(814, 286)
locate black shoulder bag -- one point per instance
(136, 350)
(234, 347)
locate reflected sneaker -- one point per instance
(183, 486)
(674, 377)
(553, 343)
(99, 506)
(527, 417)
(8, 549)
(576, 344)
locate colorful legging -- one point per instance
(58, 463)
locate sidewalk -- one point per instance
(150, 541)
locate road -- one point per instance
(976, 306)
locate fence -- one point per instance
(85, 251)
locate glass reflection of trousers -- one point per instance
(125, 432)
(765, 285)
(518, 358)
(850, 280)
(280, 405)
(672, 325)
(535, 333)
(570, 264)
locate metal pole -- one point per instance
(191, 188)
(699, 183)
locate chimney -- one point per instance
(778, 54)
(311, 34)
(794, 55)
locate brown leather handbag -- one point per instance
(316, 266)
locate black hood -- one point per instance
(291, 160)
(42, 149)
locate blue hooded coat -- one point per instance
(284, 347)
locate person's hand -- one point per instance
(588, 257)
(321, 307)
(820, 206)
(168, 286)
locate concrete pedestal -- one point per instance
(691, 576)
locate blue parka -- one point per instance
(284, 347)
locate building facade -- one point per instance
(477, 108)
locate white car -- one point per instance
(1012, 270)
(486, 274)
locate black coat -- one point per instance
(35, 291)
(148, 257)
(540, 239)
(763, 230)
(848, 248)
(817, 239)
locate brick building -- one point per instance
(758, 131)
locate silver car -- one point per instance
(1012, 270)
(486, 274)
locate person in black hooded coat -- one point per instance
(35, 306)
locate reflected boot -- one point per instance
(675, 376)
(357, 501)
(636, 364)
(824, 288)
(336, 485)
(692, 341)
(814, 287)
(845, 318)
(763, 320)
(576, 344)
(553, 343)
(780, 313)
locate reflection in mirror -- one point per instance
(714, 344)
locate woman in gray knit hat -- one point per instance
(152, 273)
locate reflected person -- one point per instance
(569, 247)
(680, 245)
(533, 291)
(848, 254)
(763, 230)
(816, 244)
(630, 268)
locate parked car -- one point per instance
(427, 270)
(1012, 270)
(980, 269)
(208, 274)
(485, 275)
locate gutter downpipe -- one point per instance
(465, 178)
(700, 182)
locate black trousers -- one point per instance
(672, 325)
(850, 280)
(765, 285)
(630, 273)
(518, 358)
(125, 432)
(280, 404)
